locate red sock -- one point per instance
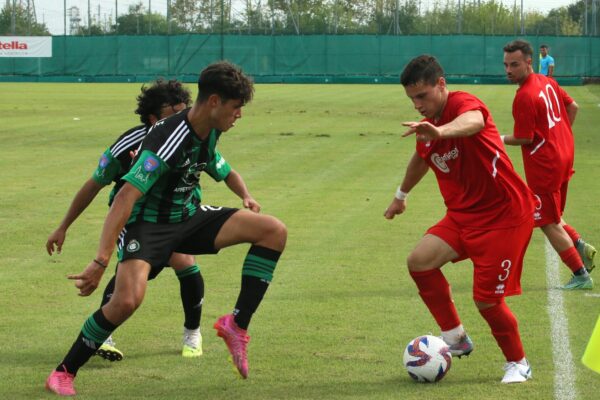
(435, 292)
(571, 257)
(572, 233)
(505, 329)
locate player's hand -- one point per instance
(56, 238)
(133, 153)
(424, 131)
(88, 280)
(251, 204)
(396, 207)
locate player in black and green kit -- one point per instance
(158, 212)
(158, 101)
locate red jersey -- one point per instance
(540, 114)
(476, 178)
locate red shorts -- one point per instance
(497, 256)
(549, 207)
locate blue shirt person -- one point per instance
(546, 62)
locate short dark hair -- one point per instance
(226, 80)
(544, 46)
(161, 93)
(424, 68)
(522, 45)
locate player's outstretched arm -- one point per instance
(415, 171)
(466, 124)
(88, 280)
(80, 202)
(236, 184)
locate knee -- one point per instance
(125, 307)
(276, 233)
(280, 230)
(485, 305)
(416, 261)
(179, 261)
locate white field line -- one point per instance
(564, 369)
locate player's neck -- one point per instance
(525, 77)
(445, 94)
(199, 119)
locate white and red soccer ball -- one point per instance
(427, 358)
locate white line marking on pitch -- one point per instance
(592, 295)
(564, 372)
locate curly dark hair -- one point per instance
(227, 81)
(161, 93)
(423, 68)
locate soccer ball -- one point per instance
(427, 358)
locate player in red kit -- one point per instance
(487, 204)
(544, 114)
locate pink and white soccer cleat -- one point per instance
(236, 340)
(61, 383)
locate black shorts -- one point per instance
(154, 243)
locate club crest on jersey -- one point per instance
(150, 164)
(103, 161)
(133, 246)
(440, 161)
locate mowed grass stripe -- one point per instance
(564, 377)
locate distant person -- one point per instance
(155, 102)
(544, 114)
(488, 205)
(546, 66)
(158, 211)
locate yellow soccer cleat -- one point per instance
(192, 343)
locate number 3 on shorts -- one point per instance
(506, 264)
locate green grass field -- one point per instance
(324, 159)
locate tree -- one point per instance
(139, 22)
(24, 22)
(557, 22)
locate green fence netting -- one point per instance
(288, 58)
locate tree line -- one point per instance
(305, 17)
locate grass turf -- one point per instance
(326, 161)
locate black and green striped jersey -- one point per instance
(116, 160)
(167, 170)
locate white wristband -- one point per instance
(503, 137)
(400, 195)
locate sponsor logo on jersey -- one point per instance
(183, 189)
(103, 161)
(192, 175)
(150, 164)
(440, 161)
(133, 246)
(220, 163)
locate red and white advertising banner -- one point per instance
(25, 46)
